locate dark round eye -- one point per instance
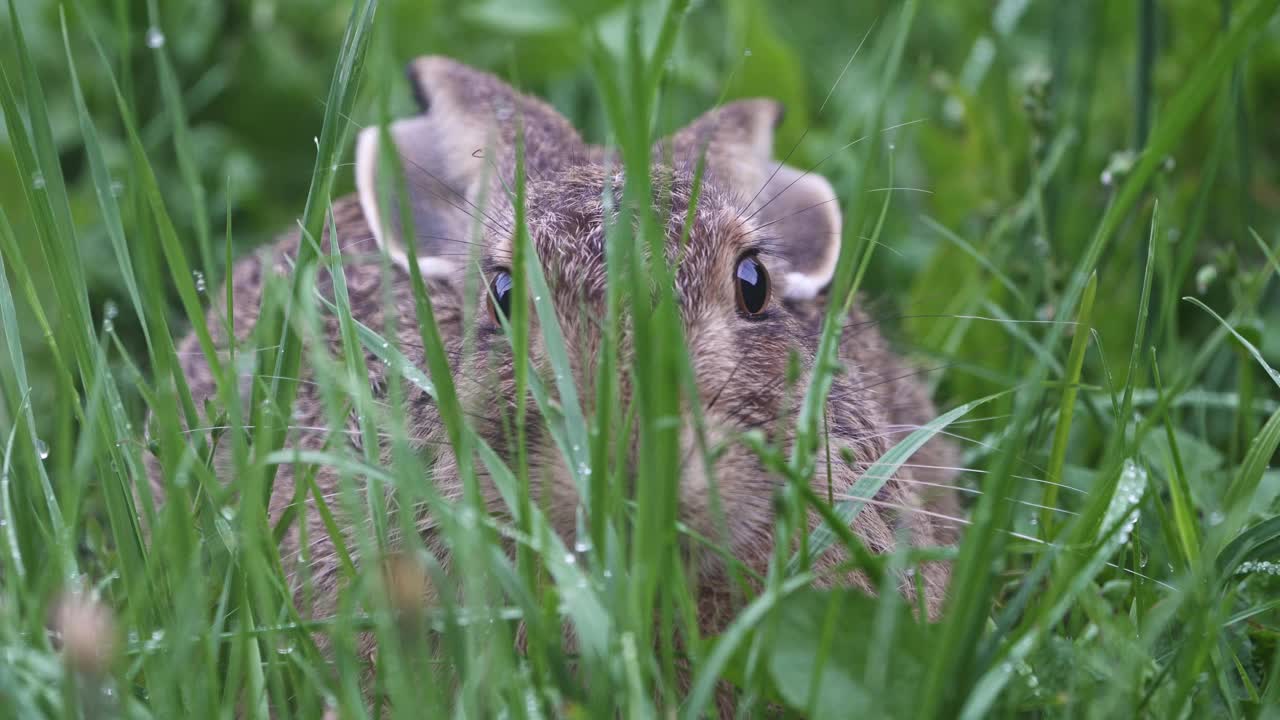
(500, 296)
(752, 282)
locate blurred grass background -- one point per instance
(993, 90)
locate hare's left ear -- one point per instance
(800, 208)
(464, 137)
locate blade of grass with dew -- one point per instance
(1184, 522)
(878, 474)
(171, 96)
(713, 667)
(944, 682)
(1120, 514)
(1067, 406)
(334, 133)
(107, 203)
(19, 392)
(845, 282)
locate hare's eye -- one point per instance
(752, 283)
(500, 296)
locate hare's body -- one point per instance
(750, 210)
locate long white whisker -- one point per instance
(1020, 536)
(988, 472)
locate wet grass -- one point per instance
(1088, 273)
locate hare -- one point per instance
(750, 279)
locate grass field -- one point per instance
(1071, 215)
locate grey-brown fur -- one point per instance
(461, 152)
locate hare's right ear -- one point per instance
(465, 134)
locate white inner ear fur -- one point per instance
(367, 150)
(807, 211)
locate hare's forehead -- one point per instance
(570, 218)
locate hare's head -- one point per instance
(749, 264)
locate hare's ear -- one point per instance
(799, 208)
(458, 158)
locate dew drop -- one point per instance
(42, 449)
(199, 278)
(1216, 518)
(570, 559)
(582, 546)
(155, 38)
(1106, 178)
(37, 180)
(109, 312)
(746, 52)
(117, 188)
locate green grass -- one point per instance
(1101, 319)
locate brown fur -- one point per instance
(738, 362)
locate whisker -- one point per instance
(968, 491)
(1013, 533)
(910, 189)
(988, 472)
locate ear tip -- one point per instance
(426, 75)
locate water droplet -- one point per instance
(42, 449)
(199, 278)
(467, 517)
(893, 146)
(37, 180)
(109, 312)
(117, 188)
(1034, 520)
(1216, 518)
(582, 546)
(1106, 178)
(608, 574)
(746, 52)
(155, 38)
(570, 559)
